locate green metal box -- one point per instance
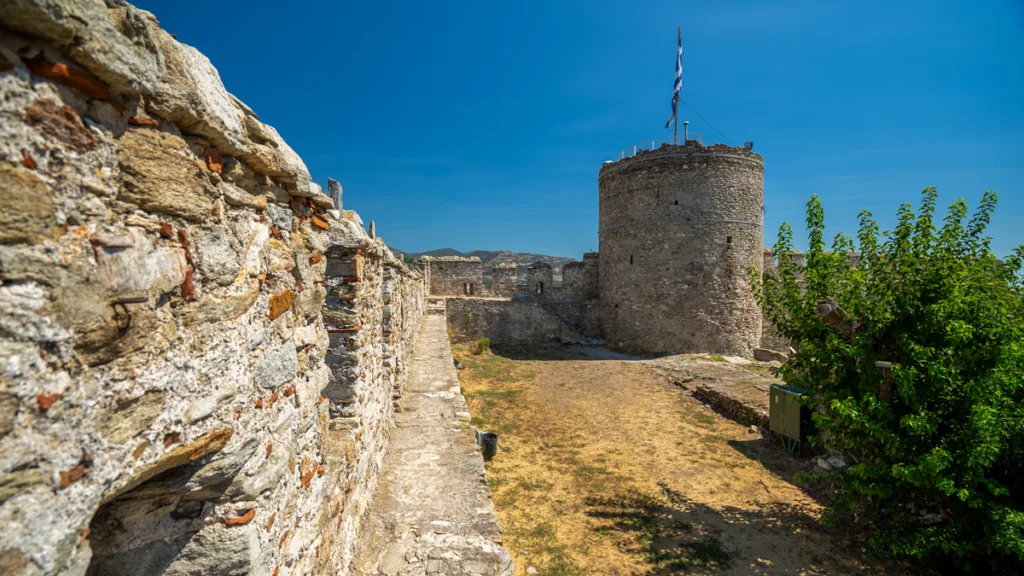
(788, 417)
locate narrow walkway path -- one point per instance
(432, 513)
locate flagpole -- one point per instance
(675, 128)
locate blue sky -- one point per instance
(482, 124)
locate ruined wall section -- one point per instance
(454, 275)
(679, 226)
(540, 283)
(503, 278)
(515, 323)
(580, 279)
(165, 403)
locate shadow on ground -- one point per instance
(792, 468)
(675, 534)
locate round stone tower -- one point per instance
(679, 227)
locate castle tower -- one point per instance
(678, 228)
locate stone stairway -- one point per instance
(432, 513)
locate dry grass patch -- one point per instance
(604, 468)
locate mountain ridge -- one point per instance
(492, 258)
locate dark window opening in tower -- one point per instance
(677, 202)
(728, 239)
(630, 258)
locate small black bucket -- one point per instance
(489, 444)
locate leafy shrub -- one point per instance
(480, 346)
(937, 440)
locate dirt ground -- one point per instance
(605, 467)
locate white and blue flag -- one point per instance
(679, 80)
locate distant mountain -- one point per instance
(491, 258)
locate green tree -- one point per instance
(913, 355)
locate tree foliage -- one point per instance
(937, 445)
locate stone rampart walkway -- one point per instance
(432, 513)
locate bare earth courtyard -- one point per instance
(605, 467)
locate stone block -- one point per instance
(191, 94)
(277, 366)
(203, 446)
(219, 254)
(766, 355)
(13, 483)
(61, 124)
(212, 309)
(350, 266)
(280, 216)
(26, 207)
(236, 196)
(130, 417)
(159, 173)
(125, 63)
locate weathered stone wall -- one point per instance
(679, 226)
(454, 275)
(580, 279)
(374, 306)
(165, 402)
(540, 282)
(510, 323)
(503, 278)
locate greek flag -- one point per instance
(679, 80)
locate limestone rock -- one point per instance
(124, 63)
(130, 417)
(23, 315)
(278, 366)
(236, 196)
(766, 355)
(278, 256)
(245, 488)
(137, 264)
(18, 481)
(203, 446)
(218, 252)
(159, 173)
(278, 160)
(8, 412)
(26, 206)
(334, 190)
(280, 216)
(196, 482)
(204, 406)
(191, 94)
(212, 309)
(305, 336)
(237, 173)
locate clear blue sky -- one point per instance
(482, 125)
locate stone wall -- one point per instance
(176, 397)
(454, 275)
(540, 282)
(510, 323)
(503, 281)
(679, 227)
(580, 279)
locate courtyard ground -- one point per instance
(606, 467)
